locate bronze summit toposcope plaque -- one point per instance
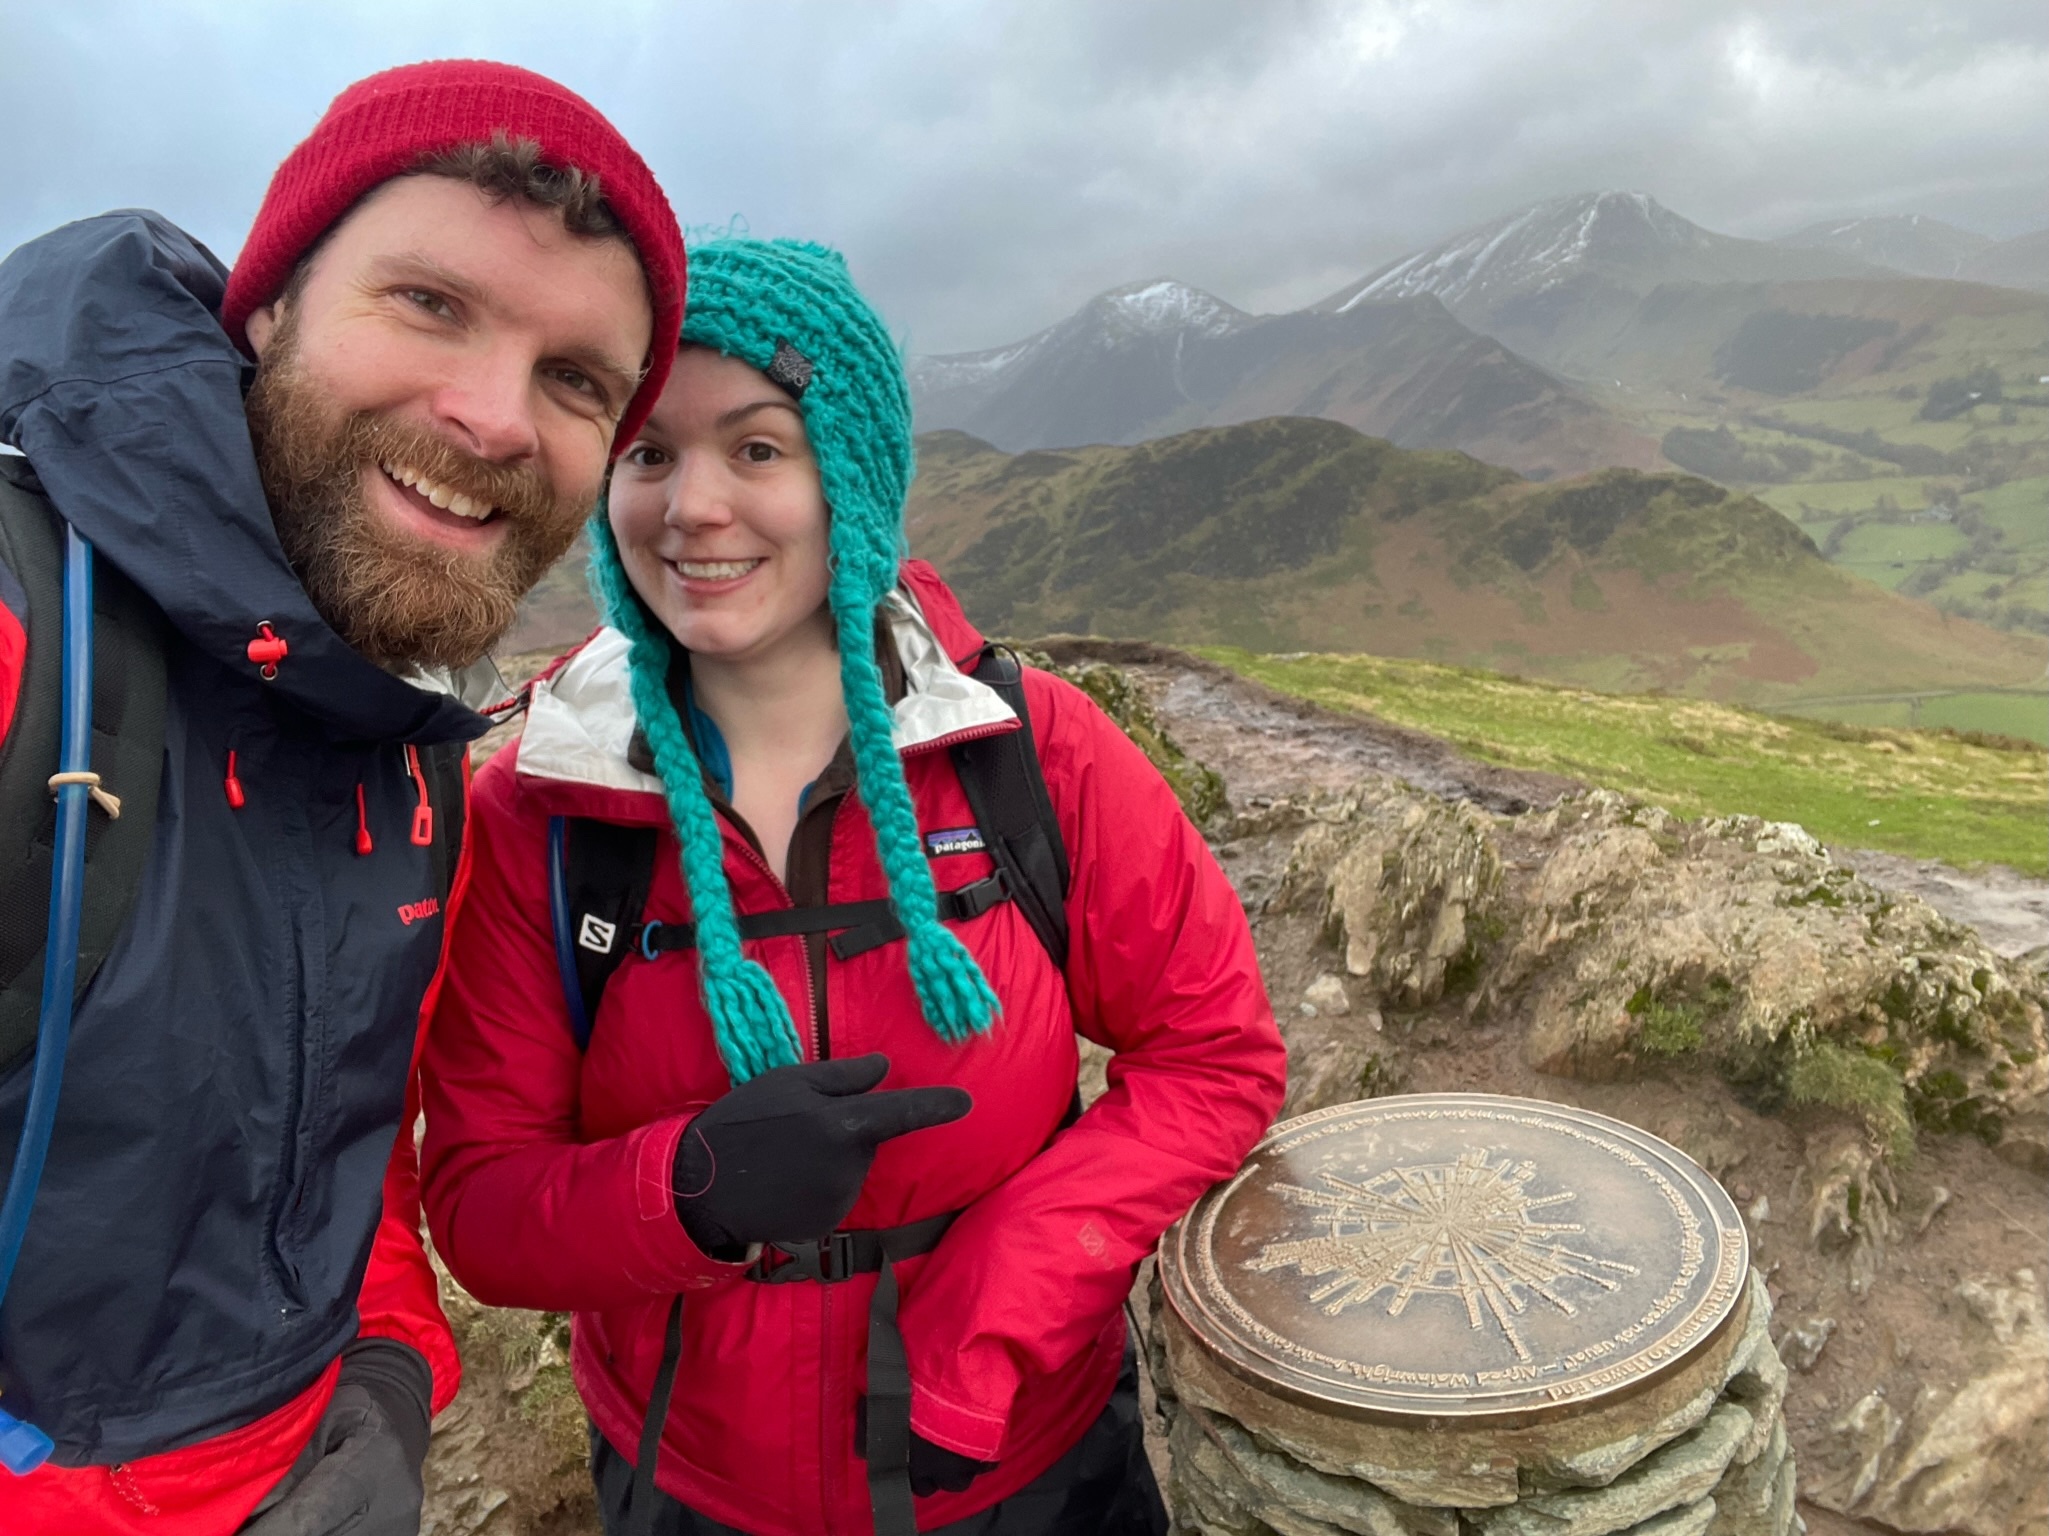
(1458, 1256)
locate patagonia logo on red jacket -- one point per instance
(955, 840)
(413, 911)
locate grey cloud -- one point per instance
(989, 166)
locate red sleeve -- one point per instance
(400, 1299)
(1162, 970)
(13, 648)
(523, 1211)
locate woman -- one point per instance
(775, 696)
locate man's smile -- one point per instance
(416, 488)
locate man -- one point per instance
(461, 294)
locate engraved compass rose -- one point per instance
(1463, 1229)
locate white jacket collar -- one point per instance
(580, 722)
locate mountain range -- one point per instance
(1159, 357)
(1512, 341)
(1925, 247)
(1549, 279)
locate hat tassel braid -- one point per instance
(955, 996)
(748, 1015)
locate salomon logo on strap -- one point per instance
(596, 935)
(955, 840)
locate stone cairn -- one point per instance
(1460, 1313)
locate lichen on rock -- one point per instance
(1405, 884)
(1966, 1458)
(1630, 937)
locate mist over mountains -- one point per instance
(1497, 341)
(1160, 357)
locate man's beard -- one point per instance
(399, 600)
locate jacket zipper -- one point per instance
(811, 1003)
(831, 1385)
(423, 813)
(955, 738)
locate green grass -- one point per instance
(1810, 501)
(1887, 553)
(2020, 510)
(1864, 1086)
(1899, 421)
(1914, 792)
(1993, 714)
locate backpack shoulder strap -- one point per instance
(599, 873)
(598, 879)
(1007, 790)
(446, 768)
(127, 752)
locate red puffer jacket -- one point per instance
(547, 1171)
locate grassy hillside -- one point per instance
(1921, 793)
(1296, 534)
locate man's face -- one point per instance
(434, 407)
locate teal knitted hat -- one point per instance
(791, 310)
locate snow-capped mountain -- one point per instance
(1625, 237)
(1906, 242)
(1159, 356)
(1136, 316)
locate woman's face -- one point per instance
(719, 514)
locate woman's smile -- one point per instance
(714, 578)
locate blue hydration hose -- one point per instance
(23, 1447)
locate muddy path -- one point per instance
(1267, 744)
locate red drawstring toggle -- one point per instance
(234, 785)
(363, 843)
(267, 650)
(423, 813)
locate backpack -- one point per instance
(599, 873)
(128, 702)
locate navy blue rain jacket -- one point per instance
(238, 1066)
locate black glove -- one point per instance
(360, 1473)
(781, 1158)
(935, 1469)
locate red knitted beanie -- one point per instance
(383, 126)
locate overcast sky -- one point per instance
(988, 166)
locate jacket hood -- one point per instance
(118, 382)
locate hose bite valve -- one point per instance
(23, 1447)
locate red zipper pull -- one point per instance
(363, 843)
(234, 785)
(423, 813)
